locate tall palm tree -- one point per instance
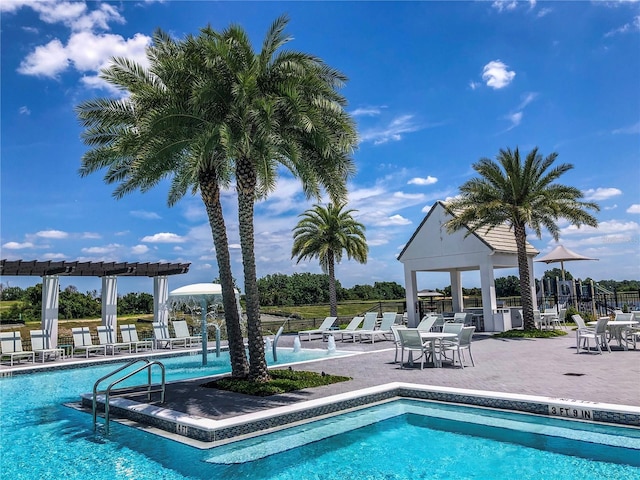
(162, 129)
(520, 193)
(326, 233)
(283, 110)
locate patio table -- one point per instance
(615, 328)
(433, 337)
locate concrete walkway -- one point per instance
(544, 367)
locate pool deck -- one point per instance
(539, 367)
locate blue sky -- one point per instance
(433, 87)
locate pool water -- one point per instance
(40, 438)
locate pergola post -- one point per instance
(110, 302)
(50, 296)
(411, 289)
(160, 297)
(457, 299)
(488, 287)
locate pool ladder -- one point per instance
(110, 391)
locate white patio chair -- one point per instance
(181, 330)
(349, 330)
(82, 341)
(598, 334)
(396, 339)
(41, 346)
(130, 335)
(427, 323)
(463, 342)
(462, 317)
(411, 342)
(108, 338)
(388, 319)
(326, 324)
(11, 345)
(162, 337)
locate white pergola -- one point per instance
(109, 272)
(432, 249)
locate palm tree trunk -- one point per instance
(246, 185)
(333, 298)
(525, 282)
(210, 191)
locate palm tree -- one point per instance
(522, 195)
(325, 233)
(161, 130)
(283, 109)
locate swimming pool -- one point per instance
(43, 439)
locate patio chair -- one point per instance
(463, 342)
(130, 335)
(82, 341)
(462, 317)
(326, 324)
(162, 337)
(41, 346)
(181, 330)
(598, 334)
(349, 330)
(411, 342)
(439, 323)
(396, 339)
(11, 345)
(107, 337)
(427, 322)
(388, 319)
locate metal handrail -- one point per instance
(108, 391)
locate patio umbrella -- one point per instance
(203, 294)
(562, 254)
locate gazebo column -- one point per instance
(532, 282)
(411, 290)
(457, 299)
(110, 302)
(50, 296)
(488, 286)
(160, 297)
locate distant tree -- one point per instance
(557, 273)
(326, 233)
(12, 293)
(388, 290)
(520, 193)
(507, 286)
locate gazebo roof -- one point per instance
(90, 269)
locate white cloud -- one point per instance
(204, 266)
(145, 215)
(635, 208)
(392, 132)
(17, 245)
(429, 180)
(101, 250)
(527, 98)
(164, 237)
(91, 235)
(24, 111)
(514, 118)
(497, 74)
(630, 130)
(543, 12)
(632, 26)
(46, 60)
(366, 112)
(504, 5)
(604, 228)
(56, 234)
(601, 193)
(612, 207)
(54, 256)
(139, 249)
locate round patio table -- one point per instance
(616, 328)
(432, 337)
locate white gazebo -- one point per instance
(432, 249)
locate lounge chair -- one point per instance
(82, 341)
(107, 337)
(162, 337)
(349, 330)
(41, 345)
(11, 345)
(324, 326)
(130, 335)
(181, 330)
(388, 319)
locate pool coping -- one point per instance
(204, 432)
